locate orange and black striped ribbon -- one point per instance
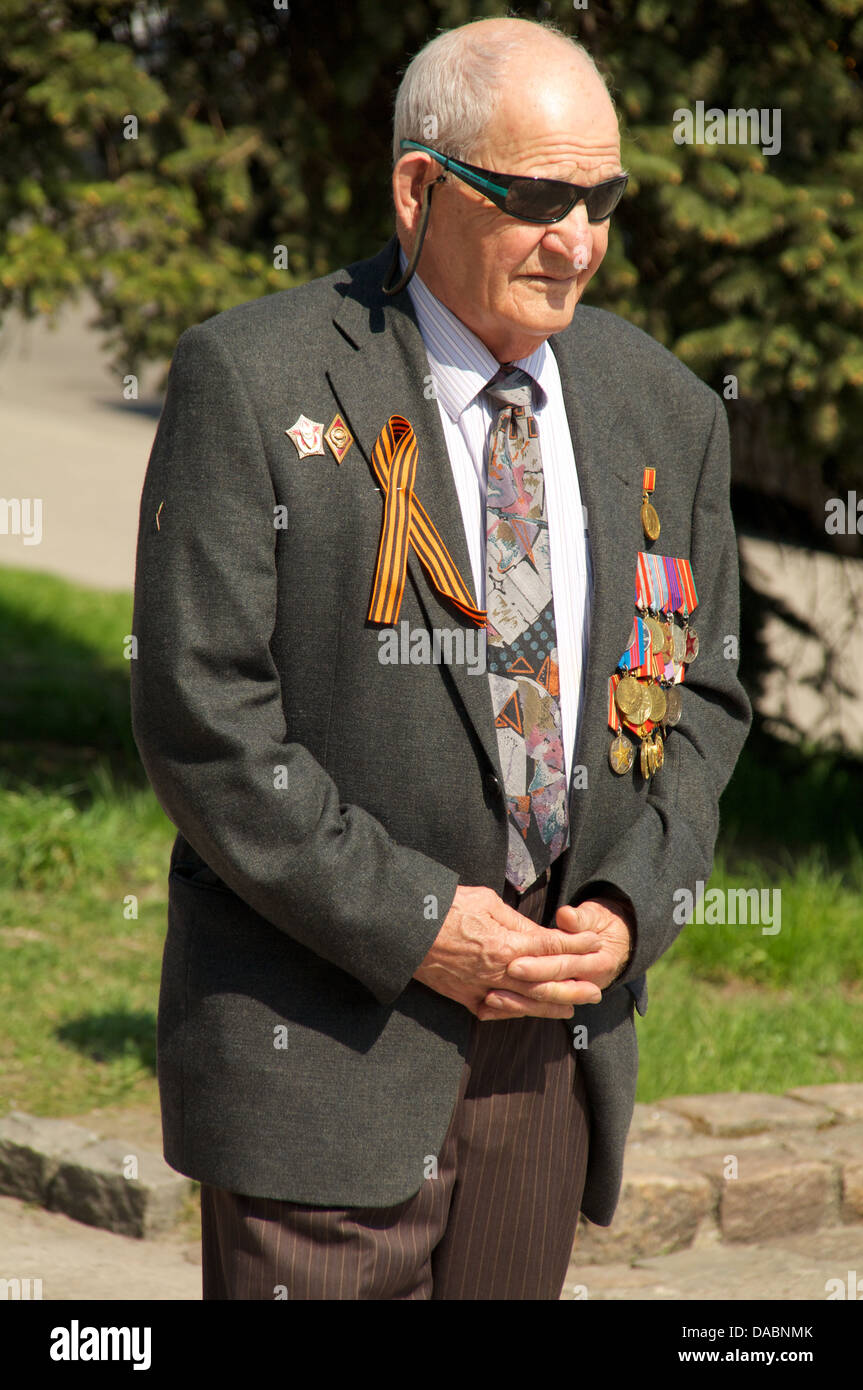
(406, 522)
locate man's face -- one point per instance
(514, 283)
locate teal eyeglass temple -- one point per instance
(522, 197)
(532, 199)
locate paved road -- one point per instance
(69, 438)
(78, 1262)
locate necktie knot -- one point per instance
(511, 386)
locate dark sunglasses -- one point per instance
(529, 199)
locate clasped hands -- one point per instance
(501, 965)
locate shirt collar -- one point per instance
(461, 365)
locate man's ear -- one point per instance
(410, 175)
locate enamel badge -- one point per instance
(339, 438)
(307, 436)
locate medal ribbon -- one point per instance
(674, 594)
(681, 585)
(643, 666)
(684, 569)
(650, 587)
(640, 650)
(664, 583)
(658, 586)
(613, 716)
(406, 522)
(642, 582)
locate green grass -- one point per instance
(80, 831)
(82, 922)
(65, 678)
(732, 1008)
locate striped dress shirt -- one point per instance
(460, 369)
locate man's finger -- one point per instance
(570, 991)
(572, 919)
(555, 943)
(535, 998)
(500, 1004)
(550, 968)
(512, 919)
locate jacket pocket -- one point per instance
(199, 875)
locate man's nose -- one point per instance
(573, 235)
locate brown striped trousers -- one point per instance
(498, 1221)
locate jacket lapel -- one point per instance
(611, 500)
(387, 374)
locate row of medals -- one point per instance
(639, 699)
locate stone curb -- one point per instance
(102, 1182)
(734, 1168)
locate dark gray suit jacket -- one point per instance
(326, 802)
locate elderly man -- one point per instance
(419, 691)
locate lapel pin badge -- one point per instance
(339, 437)
(307, 436)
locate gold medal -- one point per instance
(629, 695)
(645, 759)
(649, 518)
(679, 644)
(658, 752)
(657, 702)
(657, 634)
(621, 755)
(640, 712)
(651, 756)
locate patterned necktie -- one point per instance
(522, 638)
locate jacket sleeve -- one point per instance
(672, 844)
(207, 712)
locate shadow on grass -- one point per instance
(64, 693)
(782, 799)
(103, 1037)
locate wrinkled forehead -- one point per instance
(552, 112)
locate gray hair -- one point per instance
(449, 87)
